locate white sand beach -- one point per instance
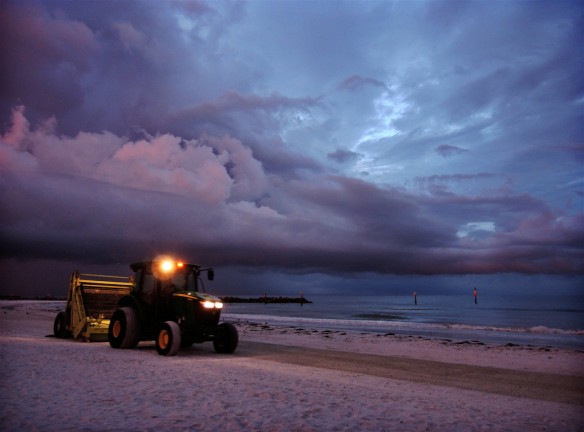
(281, 379)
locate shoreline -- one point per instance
(467, 352)
(540, 337)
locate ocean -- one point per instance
(543, 321)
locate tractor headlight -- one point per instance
(207, 304)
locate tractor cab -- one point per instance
(160, 278)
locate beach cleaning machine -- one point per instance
(91, 301)
(163, 301)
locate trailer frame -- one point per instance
(91, 301)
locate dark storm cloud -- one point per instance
(449, 150)
(74, 59)
(43, 58)
(389, 137)
(342, 156)
(236, 113)
(354, 82)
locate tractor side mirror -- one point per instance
(210, 274)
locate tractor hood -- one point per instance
(208, 301)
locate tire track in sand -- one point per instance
(509, 382)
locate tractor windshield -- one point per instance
(184, 280)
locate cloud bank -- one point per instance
(104, 195)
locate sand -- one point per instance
(281, 379)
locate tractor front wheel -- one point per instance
(227, 340)
(123, 329)
(168, 340)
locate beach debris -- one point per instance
(466, 342)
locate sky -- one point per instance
(346, 147)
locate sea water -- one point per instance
(550, 321)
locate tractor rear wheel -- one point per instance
(168, 340)
(227, 339)
(60, 326)
(123, 331)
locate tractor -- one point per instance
(168, 304)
